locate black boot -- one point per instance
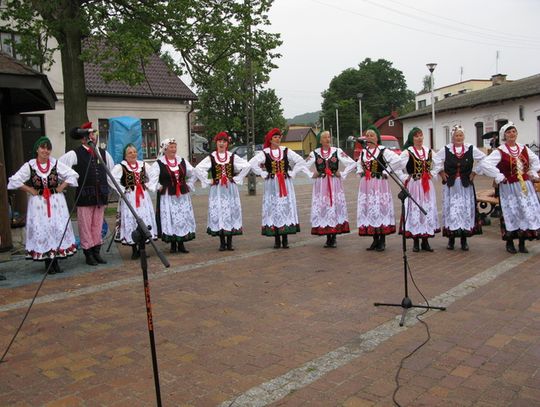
(521, 246)
(285, 242)
(425, 245)
(135, 252)
(382, 243)
(277, 242)
(510, 248)
(464, 244)
(451, 243)
(328, 241)
(174, 247)
(229, 243)
(375, 243)
(182, 248)
(222, 244)
(97, 256)
(56, 266)
(49, 266)
(333, 243)
(90, 260)
(416, 245)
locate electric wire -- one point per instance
(46, 272)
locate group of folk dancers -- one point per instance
(512, 165)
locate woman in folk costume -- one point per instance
(224, 207)
(417, 163)
(279, 213)
(173, 178)
(45, 178)
(131, 174)
(328, 205)
(375, 207)
(513, 165)
(454, 163)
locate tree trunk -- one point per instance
(75, 99)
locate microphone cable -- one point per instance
(410, 354)
(47, 271)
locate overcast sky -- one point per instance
(321, 38)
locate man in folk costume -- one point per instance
(173, 178)
(328, 204)
(273, 164)
(93, 189)
(224, 206)
(514, 165)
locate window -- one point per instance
(521, 112)
(8, 44)
(447, 95)
(421, 104)
(103, 129)
(149, 138)
(390, 123)
(447, 134)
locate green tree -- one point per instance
(383, 87)
(121, 35)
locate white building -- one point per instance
(482, 111)
(423, 99)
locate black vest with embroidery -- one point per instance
(373, 166)
(36, 181)
(320, 163)
(273, 167)
(416, 167)
(128, 178)
(95, 190)
(218, 169)
(168, 180)
(454, 165)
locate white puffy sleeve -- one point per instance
(153, 177)
(117, 173)
(438, 161)
(69, 158)
(534, 163)
(299, 164)
(256, 162)
(348, 163)
(191, 175)
(201, 171)
(18, 179)
(488, 166)
(67, 174)
(241, 169)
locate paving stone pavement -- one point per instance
(295, 327)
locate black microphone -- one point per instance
(362, 142)
(77, 133)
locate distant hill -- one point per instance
(306, 118)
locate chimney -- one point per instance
(498, 79)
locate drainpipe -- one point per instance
(190, 153)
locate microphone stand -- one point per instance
(140, 236)
(406, 302)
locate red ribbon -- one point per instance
(139, 193)
(368, 174)
(224, 179)
(425, 181)
(47, 196)
(328, 173)
(282, 187)
(178, 193)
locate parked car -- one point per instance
(241, 150)
(389, 142)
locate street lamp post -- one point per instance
(360, 95)
(431, 68)
(337, 124)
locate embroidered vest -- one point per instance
(332, 162)
(462, 166)
(273, 167)
(168, 180)
(508, 165)
(36, 181)
(217, 169)
(373, 166)
(128, 178)
(416, 167)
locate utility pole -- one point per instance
(250, 103)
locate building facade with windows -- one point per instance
(162, 102)
(423, 98)
(482, 111)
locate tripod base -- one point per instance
(406, 303)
